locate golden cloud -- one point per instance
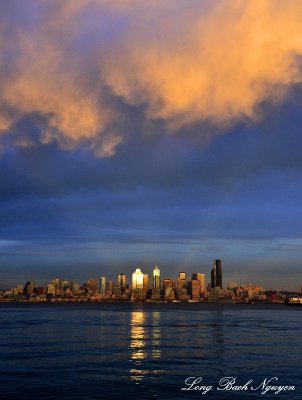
(185, 61)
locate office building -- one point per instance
(121, 280)
(156, 283)
(216, 275)
(195, 289)
(103, 285)
(146, 282)
(201, 278)
(156, 277)
(137, 279)
(181, 281)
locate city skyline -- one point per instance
(138, 132)
(154, 279)
(139, 288)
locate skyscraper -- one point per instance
(139, 285)
(156, 277)
(92, 285)
(181, 281)
(103, 285)
(201, 279)
(137, 279)
(121, 280)
(156, 283)
(216, 275)
(195, 289)
(110, 287)
(146, 282)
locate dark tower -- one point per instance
(216, 275)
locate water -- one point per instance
(146, 351)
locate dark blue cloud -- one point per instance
(166, 199)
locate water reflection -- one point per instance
(156, 336)
(145, 342)
(138, 336)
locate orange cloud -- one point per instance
(218, 65)
(185, 61)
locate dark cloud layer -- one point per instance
(165, 199)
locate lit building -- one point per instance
(195, 289)
(121, 280)
(75, 288)
(51, 289)
(216, 275)
(92, 285)
(181, 281)
(137, 279)
(156, 277)
(156, 283)
(201, 279)
(232, 285)
(146, 282)
(140, 285)
(103, 285)
(167, 282)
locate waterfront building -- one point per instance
(156, 283)
(103, 285)
(146, 282)
(75, 288)
(216, 275)
(20, 289)
(110, 287)
(137, 279)
(201, 278)
(92, 285)
(167, 282)
(181, 280)
(232, 285)
(121, 280)
(156, 277)
(29, 288)
(169, 293)
(195, 289)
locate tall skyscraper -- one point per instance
(146, 282)
(137, 279)
(103, 285)
(156, 283)
(156, 277)
(121, 280)
(216, 275)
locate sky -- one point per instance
(158, 132)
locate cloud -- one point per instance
(74, 63)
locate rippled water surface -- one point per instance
(146, 351)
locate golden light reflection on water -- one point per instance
(145, 341)
(138, 336)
